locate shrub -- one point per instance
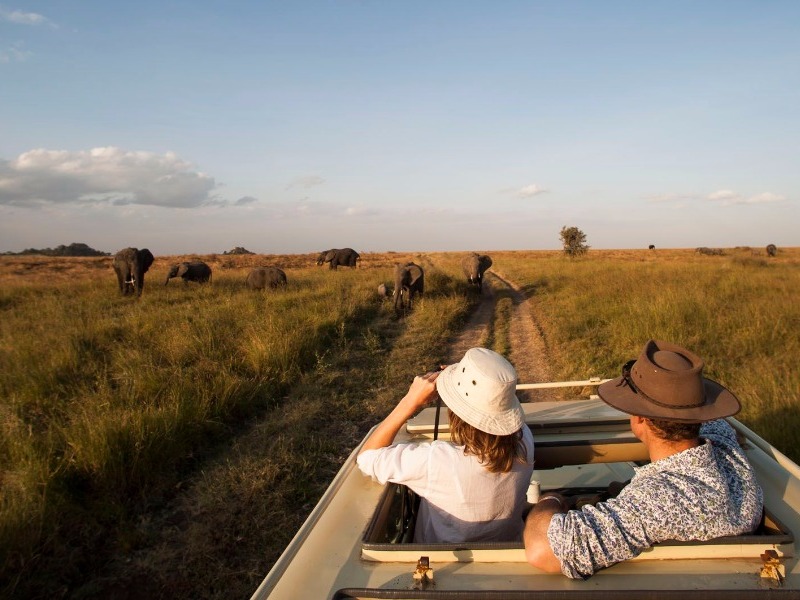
(574, 241)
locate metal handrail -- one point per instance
(558, 384)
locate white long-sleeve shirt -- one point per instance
(461, 500)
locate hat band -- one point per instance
(627, 380)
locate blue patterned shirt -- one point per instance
(697, 494)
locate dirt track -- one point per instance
(528, 350)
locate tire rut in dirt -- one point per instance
(528, 352)
(528, 349)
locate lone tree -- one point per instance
(574, 241)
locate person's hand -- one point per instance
(422, 391)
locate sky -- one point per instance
(293, 127)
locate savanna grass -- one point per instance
(737, 312)
(105, 399)
(108, 405)
(245, 507)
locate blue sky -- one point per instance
(296, 126)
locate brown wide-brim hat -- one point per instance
(666, 382)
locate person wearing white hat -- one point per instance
(698, 484)
(472, 486)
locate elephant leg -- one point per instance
(120, 281)
(398, 299)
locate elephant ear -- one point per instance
(146, 258)
(182, 269)
(486, 262)
(415, 271)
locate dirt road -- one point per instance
(528, 350)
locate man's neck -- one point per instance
(659, 449)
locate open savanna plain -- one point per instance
(171, 446)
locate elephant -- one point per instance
(130, 265)
(710, 251)
(651, 247)
(409, 281)
(384, 291)
(474, 266)
(262, 277)
(346, 257)
(190, 271)
(772, 250)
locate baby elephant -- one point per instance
(384, 291)
(190, 271)
(263, 277)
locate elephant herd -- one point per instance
(131, 264)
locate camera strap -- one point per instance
(436, 419)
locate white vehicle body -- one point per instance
(341, 550)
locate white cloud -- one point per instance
(14, 53)
(764, 197)
(729, 198)
(361, 211)
(305, 182)
(103, 175)
(22, 18)
(530, 190)
(724, 195)
(245, 200)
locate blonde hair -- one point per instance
(496, 453)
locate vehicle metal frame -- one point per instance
(581, 443)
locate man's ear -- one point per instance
(640, 426)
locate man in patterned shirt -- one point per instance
(697, 486)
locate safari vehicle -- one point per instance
(355, 543)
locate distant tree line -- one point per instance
(74, 249)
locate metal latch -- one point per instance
(423, 574)
(773, 572)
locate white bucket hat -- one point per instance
(481, 389)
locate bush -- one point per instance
(574, 241)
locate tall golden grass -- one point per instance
(106, 403)
(739, 312)
(108, 400)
